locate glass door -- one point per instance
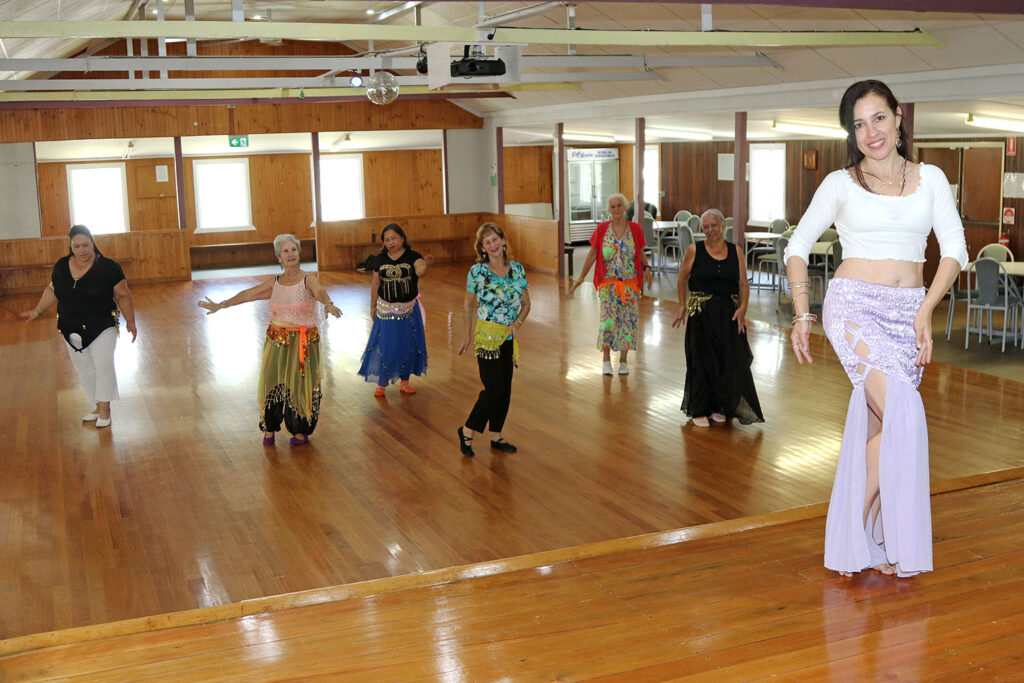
(581, 191)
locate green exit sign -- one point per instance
(240, 141)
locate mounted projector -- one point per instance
(469, 67)
(503, 66)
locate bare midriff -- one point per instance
(888, 272)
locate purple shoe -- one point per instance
(296, 441)
(268, 440)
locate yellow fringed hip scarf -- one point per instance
(489, 337)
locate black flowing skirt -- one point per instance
(718, 358)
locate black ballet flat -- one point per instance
(465, 445)
(503, 446)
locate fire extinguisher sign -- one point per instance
(1008, 216)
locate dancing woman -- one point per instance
(719, 384)
(89, 290)
(497, 303)
(878, 318)
(617, 247)
(397, 347)
(289, 384)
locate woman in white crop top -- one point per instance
(877, 315)
(289, 385)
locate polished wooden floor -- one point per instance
(728, 601)
(179, 506)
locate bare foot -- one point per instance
(701, 422)
(886, 569)
(718, 417)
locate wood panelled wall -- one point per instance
(528, 178)
(801, 183)
(403, 182)
(87, 122)
(151, 205)
(626, 171)
(148, 256)
(689, 178)
(343, 244)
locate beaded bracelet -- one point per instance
(805, 318)
(797, 285)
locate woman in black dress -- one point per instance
(91, 293)
(713, 295)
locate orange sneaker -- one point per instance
(406, 388)
(378, 392)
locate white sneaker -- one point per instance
(623, 369)
(606, 369)
(102, 422)
(91, 417)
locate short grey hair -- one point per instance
(617, 195)
(713, 212)
(286, 237)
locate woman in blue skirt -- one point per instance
(397, 347)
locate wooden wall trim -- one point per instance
(36, 125)
(148, 256)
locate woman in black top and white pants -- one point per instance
(89, 290)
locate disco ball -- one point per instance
(382, 88)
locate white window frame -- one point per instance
(776, 176)
(98, 229)
(246, 224)
(361, 182)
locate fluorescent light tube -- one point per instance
(810, 129)
(996, 123)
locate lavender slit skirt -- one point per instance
(882, 319)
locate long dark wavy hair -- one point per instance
(853, 95)
(77, 230)
(397, 229)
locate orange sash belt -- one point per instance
(279, 334)
(621, 286)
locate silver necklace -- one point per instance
(902, 179)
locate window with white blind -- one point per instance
(222, 195)
(341, 187)
(98, 197)
(767, 183)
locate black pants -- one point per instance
(276, 411)
(492, 403)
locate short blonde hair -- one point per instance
(481, 233)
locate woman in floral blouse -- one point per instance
(497, 302)
(617, 246)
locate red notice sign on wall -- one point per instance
(1011, 147)
(1008, 216)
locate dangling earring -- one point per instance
(899, 143)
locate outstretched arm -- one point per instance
(260, 291)
(319, 293)
(422, 265)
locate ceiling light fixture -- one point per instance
(356, 81)
(996, 123)
(588, 137)
(129, 150)
(341, 142)
(678, 134)
(815, 129)
(370, 11)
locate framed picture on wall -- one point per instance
(811, 159)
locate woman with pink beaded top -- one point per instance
(289, 386)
